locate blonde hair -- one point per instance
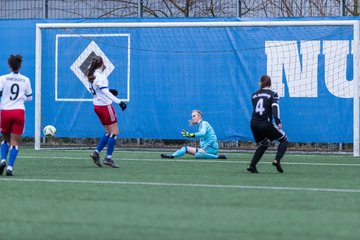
(198, 112)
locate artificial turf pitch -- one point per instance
(61, 194)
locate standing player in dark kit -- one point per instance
(266, 106)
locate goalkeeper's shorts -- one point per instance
(211, 150)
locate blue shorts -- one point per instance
(211, 150)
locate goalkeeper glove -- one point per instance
(122, 105)
(187, 134)
(114, 92)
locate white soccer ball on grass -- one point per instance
(49, 131)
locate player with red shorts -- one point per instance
(15, 89)
(102, 99)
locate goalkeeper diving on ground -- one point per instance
(209, 146)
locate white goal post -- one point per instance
(353, 23)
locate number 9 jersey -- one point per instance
(15, 89)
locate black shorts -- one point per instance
(262, 132)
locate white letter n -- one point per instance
(301, 76)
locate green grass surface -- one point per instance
(63, 195)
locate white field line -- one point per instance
(200, 161)
(185, 185)
(232, 153)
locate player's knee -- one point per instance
(114, 136)
(199, 155)
(14, 147)
(6, 137)
(283, 144)
(113, 133)
(265, 143)
(184, 149)
(284, 140)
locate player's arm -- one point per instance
(1, 86)
(103, 84)
(113, 92)
(202, 130)
(187, 134)
(276, 110)
(108, 94)
(200, 133)
(28, 98)
(28, 92)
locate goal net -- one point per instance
(163, 70)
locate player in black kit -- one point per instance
(266, 106)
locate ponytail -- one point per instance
(265, 81)
(96, 63)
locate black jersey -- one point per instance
(265, 106)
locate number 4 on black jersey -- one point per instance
(265, 106)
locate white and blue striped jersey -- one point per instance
(207, 135)
(15, 89)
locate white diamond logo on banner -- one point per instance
(82, 63)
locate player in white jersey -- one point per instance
(15, 90)
(103, 98)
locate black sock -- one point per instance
(281, 150)
(258, 154)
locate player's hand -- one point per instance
(279, 126)
(122, 105)
(187, 134)
(113, 92)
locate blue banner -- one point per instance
(164, 73)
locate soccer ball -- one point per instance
(49, 131)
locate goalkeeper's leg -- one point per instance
(180, 152)
(204, 155)
(208, 153)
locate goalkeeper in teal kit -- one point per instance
(209, 146)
